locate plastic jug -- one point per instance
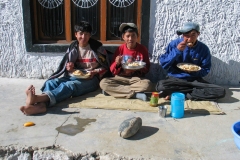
(177, 105)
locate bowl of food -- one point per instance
(236, 133)
(134, 65)
(188, 67)
(80, 74)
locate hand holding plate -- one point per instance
(118, 60)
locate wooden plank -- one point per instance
(112, 42)
(35, 20)
(67, 8)
(103, 20)
(139, 18)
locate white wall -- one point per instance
(219, 21)
(14, 60)
(219, 26)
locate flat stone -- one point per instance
(129, 127)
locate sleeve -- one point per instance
(205, 66)
(113, 68)
(103, 57)
(103, 60)
(62, 66)
(170, 56)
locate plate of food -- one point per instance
(80, 74)
(189, 67)
(134, 65)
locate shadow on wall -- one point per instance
(224, 73)
(156, 72)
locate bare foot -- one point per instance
(31, 88)
(22, 108)
(30, 97)
(167, 97)
(34, 109)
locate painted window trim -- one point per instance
(31, 47)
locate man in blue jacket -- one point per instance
(186, 49)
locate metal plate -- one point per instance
(80, 76)
(189, 67)
(139, 66)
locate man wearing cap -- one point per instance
(128, 83)
(185, 49)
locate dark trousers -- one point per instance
(194, 90)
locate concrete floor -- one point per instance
(89, 131)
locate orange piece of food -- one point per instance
(28, 124)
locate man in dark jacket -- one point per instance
(83, 65)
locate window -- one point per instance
(54, 19)
(48, 24)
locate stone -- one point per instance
(129, 127)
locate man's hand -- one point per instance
(182, 45)
(118, 60)
(70, 67)
(92, 73)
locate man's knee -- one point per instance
(149, 86)
(103, 84)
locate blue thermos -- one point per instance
(177, 105)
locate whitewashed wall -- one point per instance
(14, 60)
(219, 21)
(219, 26)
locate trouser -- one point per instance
(196, 90)
(59, 89)
(125, 87)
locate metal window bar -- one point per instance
(90, 15)
(119, 15)
(52, 21)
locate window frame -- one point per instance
(42, 48)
